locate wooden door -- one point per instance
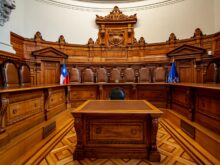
(185, 70)
(50, 72)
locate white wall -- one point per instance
(217, 15)
(78, 26)
(15, 24)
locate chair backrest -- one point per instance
(211, 73)
(24, 74)
(88, 76)
(75, 75)
(145, 75)
(159, 74)
(102, 75)
(129, 75)
(117, 94)
(10, 74)
(115, 75)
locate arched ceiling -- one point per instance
(107, 5)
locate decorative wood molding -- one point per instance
(116, 16)
(48, 53)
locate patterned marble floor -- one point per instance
(171, 153)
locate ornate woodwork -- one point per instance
(10, 74)
(102, 75)
(144, 75)
(75, 76)
(25, 75)
(49, 61)
(117, 129)
(88, 75)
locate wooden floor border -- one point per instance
(40, 151)
(193, 148)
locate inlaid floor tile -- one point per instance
(171, 153)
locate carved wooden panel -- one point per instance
(182, 101)
(102, 75)
(56, 101)
(75, 75)
(79, 94)
(24, 105)
(115, 131)
(207, 109)
(50, 72)
(156, 94)
(186, 70)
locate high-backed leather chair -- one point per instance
(144, 75)
(24, 75)
(117, 94)
(75, 75)
(88, 76)
(159, 74)
(211, 73)
(115, 75)
(10, 74)
(102, 75)
(129, 75)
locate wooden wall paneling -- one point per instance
(20, 111)
(55, 101)
(186, 70)
(128, 90)
(50, 72)
(182, 101)
(155, 93)
(207, 109)
(81, 93)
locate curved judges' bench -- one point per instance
(40, 112)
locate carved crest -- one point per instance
(116, 15)
(116, 38)
(116, 30)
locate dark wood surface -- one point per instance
(116, 129)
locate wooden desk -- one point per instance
(116, 129)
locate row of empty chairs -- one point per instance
(13, 76)
(144, 74)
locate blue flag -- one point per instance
(173, 76)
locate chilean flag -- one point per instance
(64, 76)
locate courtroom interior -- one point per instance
(104, 82)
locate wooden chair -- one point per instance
(10, 74)
(75, 75)
(129, 75)
(159, 74)
(102, 75)
(115, 75)
(24, 75)
(117, 94)
(144, 75)
(211, 73)
(88, 76)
